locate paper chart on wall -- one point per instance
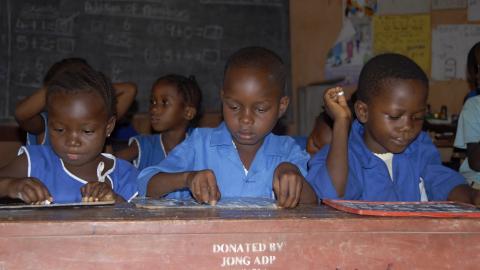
(409, 35)
(473, 10)
(450, 46)
(448, 4)
(389, 7)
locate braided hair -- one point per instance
(84, 79)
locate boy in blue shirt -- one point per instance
(386, 156)
(241, 157)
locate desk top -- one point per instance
(131, 220)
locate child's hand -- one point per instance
(30, 190)
(97, 191)
(287, 185)
(336, 104)
(476, 199)
(203, 186)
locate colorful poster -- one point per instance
(353, 46)
(409, 35)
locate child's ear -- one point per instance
(284, 101)
(110, 125)
(361, 111)
(189, 112)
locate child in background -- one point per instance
(468, 129)
(30, 114)
(473, 71)
(241, 157)
(386, 157)
(81, 110)
(174, 108)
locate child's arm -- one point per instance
(473, 155)
(27, 112)
(202, 184)
(337, 157)
(125, 93)
(466, 194)
(320, 135)
(129, 153)
(14, 183)
(290, 186)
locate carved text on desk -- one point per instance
(255, 254)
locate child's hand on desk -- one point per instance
(476, 198)
(203, 186)
(336, 104)
(97, 191)
(29, 190)
(287, 185)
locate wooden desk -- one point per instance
(124, 237)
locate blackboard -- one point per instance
(134, 40)
(440, 209)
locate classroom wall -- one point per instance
(314, 26)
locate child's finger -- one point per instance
(96, 190)
(28, 194)
(204, 193)
(283, 187)
(291, 192)
(38, 190)
(214, 193)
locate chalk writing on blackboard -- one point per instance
(134, 40)
(423, 209)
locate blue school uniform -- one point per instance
(64, 186)
(32, 139)
(369, 179)
(213, 148)
(150, 150)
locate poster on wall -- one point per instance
(409, 35)
(353, 46)
(450, 46)
(473, 12)
(448, 4)
(390, 7)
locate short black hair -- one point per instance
(386, 67)
(84, 80)
(472, 66)
(63, 65)
(261, 58)
(188, 89)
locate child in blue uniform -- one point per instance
(174, 108)
(30, 112)
(241, 157)
(81, 109)
(386, 156)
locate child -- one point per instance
(239, 158)
(174, 107)
(386, 157)
(30, 114)
(473, 73)
(468, 129)
(81, 109)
